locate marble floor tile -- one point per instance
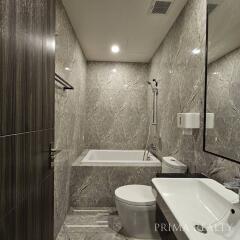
(92, 224)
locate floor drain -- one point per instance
(200, 229)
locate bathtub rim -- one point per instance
(78, 162)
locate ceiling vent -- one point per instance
(160, 7)
(211, 7)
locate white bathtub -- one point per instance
(115, 158)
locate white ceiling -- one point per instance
(128, 23)
(224, 28)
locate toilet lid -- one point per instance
(140, 195)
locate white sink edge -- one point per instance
(228, 195)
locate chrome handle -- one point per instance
(52, 153)
(55, 151)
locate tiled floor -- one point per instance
(92, 224)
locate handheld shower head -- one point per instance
(156, 83)
(153, 84)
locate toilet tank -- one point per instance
(172, 165)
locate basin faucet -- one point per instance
(234, 186)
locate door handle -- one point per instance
(55, 151)
(52, 153)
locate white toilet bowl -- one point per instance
(136, 206)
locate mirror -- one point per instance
(222, 84)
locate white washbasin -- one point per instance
(199, 201)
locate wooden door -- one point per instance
(27, 56)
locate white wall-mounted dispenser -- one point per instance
(188, 121)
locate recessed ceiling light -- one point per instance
(196, 51)
(115, 48)
(114, 70)
(67, 69)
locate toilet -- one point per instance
(172, 165)
(136, 204)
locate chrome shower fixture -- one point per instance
(152, 125)
(154, 86)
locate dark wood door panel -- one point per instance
(27, 48)
(7, 70)
(27, 66)
(7, 175)
(31, 220)
(8, 227)
(32, 161)
(47, 208)
(24, 165)
(34, 218)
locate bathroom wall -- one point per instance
(223, 100)
(69, 110)
(116, 116)
(181, 76)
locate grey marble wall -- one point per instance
(223, 99)
(94, 186)
(116, 115)
(181, 75)
(69, 110)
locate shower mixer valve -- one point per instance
(156, 82)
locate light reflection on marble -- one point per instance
(181, 75)
(69, 111)
(116, 105)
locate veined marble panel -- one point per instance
(181, 89)
(181, 76)
(116, 115)
(95, 186)
(223, 100)
(69, 110)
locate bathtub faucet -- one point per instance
(150, 149)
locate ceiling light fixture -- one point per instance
(115, 48)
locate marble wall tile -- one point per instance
(180, 74)
(117, 108)
(69, 110)
(223, 100)
(94, 186)
(181, 77)
(116, 115)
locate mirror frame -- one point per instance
(205, 102)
